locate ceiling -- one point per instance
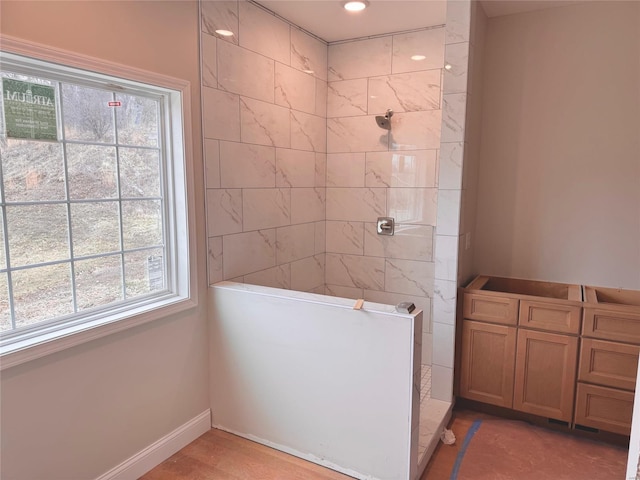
(328, 20)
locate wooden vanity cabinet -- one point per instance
(608, 365)
(520, 345)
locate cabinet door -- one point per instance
(488, 361)
(545, 374)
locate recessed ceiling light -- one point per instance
(447, 66)
(417, 58)
(308, 71)
(225, 33)
(355, 5)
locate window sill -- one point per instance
(24, 351)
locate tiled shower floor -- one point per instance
(432, 415)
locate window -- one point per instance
(93, 200)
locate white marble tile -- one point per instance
(221, 112)
(308, 132)
(401, 169)
(427, 348)
(413, 205)
(446, 257)
(360, 59)
(355, 271)
(345, 169)
(390, 298)
(238, 69)
(443, 344)
(448, 222)
(356, 134)
(455, 79)
(442, 380)
(265, 208)
(409, 277)
(214, 257)
(209, 61)
(409, 242)
(264, 33)
(224, 211)
(220, 15)
(307, 205)
(444, 302)
(243, 165)
(321, 170)
(345, 237)
(406, 92)
(458, 21)
(320, 239)
(212, 163)
(248, 252)
(454, 107)
(276, 277)
(295, 242)
(356, 204)
(347, 98)
(308, 273)
(450, 166)
(416, 130)
(308, 54)
(321, 98)
(429, 43)
(294, 89)
(344, 292)
(295, 168)
(264, 123)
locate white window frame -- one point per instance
(180, 244)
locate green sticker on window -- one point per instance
(29, 110)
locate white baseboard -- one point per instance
(156, 453)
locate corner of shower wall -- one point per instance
(453, 231)
(264, 119)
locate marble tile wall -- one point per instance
(264, 114)
(374, 173)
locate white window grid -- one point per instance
(119, 199)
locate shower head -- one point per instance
(385, 121)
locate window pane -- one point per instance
(42, 293)
(5, 313)
(37, 233)
(98, 281)
(141, 223)
(87, 114)
(137, 119)
(139, 172)
(92, 171)
(95, 228)
(144, 272)
(32, 170)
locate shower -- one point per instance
(384, 121)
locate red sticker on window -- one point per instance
(115, 104)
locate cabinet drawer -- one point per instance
(607, 363)
(611, 325)
(490, 308)
(553, 317)
(604, 408)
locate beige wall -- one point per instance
(559, 182)
(78, 413)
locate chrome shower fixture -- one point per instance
(385, 121)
